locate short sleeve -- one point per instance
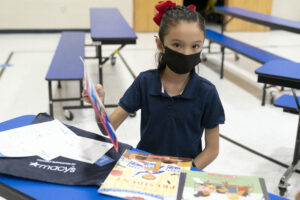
(131, 100)
(214, 112)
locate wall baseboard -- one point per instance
(2, 31)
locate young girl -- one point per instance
(176, 104)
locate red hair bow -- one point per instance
(192, 7)
(163, 6)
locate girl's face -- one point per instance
(186, 38)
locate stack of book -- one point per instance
(150, 177)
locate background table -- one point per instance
(109, 27)
(286, 74)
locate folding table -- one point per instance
(258, 18)
(286, 74)
(109, 27)
(41, 190)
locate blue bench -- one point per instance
(67, 66)
(247, 50)
(287, 102)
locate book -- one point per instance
(211, 186)
(105, 125)
(145, 176)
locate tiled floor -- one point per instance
(267, 129)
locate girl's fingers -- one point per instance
(85, 96)
(100, 90)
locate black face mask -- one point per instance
(180, 63)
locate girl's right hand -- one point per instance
(99, 90)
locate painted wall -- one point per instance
(55, 14)
(72, 14)
(289, 9)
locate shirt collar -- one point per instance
(189, 90)
(163, 89)
(156, 87)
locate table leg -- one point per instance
(99, 55)
(80, 92)
(59, 85)
(297, 144)
(263, 101)
(50, 98)
(288, 173)
(222, 62)
(222, 24)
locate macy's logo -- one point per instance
(53, 168)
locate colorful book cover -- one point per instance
(210, 186)
(145, 176)
(105, 126)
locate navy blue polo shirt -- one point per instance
(173, 126)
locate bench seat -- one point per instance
(66, 64)
(247, 50)
(287, 102)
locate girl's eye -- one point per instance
(196, 46)
(176, 45)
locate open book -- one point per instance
(211, 186)
(105, 126)
(145, 176)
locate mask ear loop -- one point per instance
(162, 53)
(198, 65)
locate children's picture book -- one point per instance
(105, 126)
(144, 176)
(210, 186)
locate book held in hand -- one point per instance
(105, 125)
(211, 186)
(145, 176)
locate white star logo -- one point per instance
(34, 164)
